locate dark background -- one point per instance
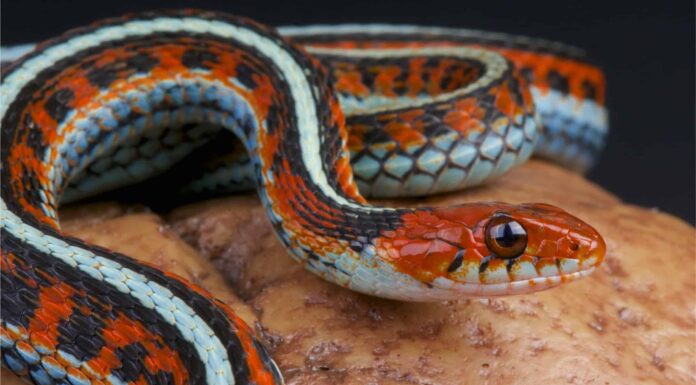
(645, 47)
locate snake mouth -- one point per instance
(484, 290)
(496, 277)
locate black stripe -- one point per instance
(457, 261)
(84, 338)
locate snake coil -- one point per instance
(326, 115)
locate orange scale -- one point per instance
(401, 242)
(57, 294)
(18, 333)
(415, 83)
(414, 249)
(43, 340)
(96, 369)
(351, 83)
(472, 236)
(385, 80)
(410, 115)
(113, 338)
(428, 264)
(153, 366)
(38, 113)
(504, 102)
(25, 347)
(76, 373)
(451, 234)
(428, 218)
(5, 334)
(404, 134)
(472, 255)
(262, 95)
(108, 358)
(392, 253)
(416, 231)
(51, 361)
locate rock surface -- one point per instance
(633, 321)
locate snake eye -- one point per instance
(506, 237)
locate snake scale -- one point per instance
(323, 114)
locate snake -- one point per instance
(319, 117)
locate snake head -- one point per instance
(492, 249)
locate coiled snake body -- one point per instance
(421, 110)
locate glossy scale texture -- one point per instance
(421, 110)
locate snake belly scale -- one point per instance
(421, 110)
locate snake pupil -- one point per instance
(506, 237)
(508, 234)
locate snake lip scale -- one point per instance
(325, 115)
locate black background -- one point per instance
(645, 47)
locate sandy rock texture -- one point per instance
(633, 321)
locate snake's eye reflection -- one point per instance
(506, 237)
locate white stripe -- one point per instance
(306, 114)
(15, 52)
(395, 29)
(162, 300)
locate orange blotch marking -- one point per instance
(543, 64)
(504, 101)
(259, 374)
(54, 307)
(414, 82)
(22, 160)
(123, 331)
(466, 116)
(404, 134)
(385, 80)
(351, 83)
(434, 86)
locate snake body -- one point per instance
(421, 110)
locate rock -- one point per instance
(633, 321)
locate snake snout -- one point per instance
(560, 243)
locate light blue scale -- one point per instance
(421, 184)
(430, 161)
(55, 371)
(450, 161)
(14, 363)
(40, 376)
(397, 165)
